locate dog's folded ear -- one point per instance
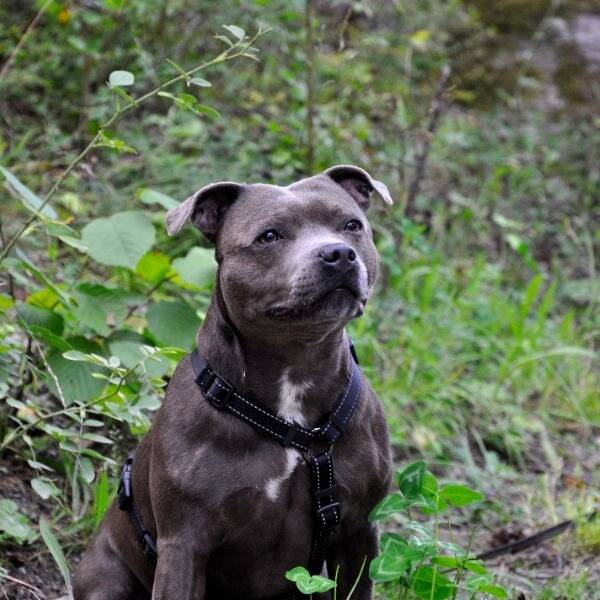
(205, 209)
(359, 184)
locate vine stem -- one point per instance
(228, 54)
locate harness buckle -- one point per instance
(328, 516)
(125, 497)
(218, 392)
(148, 546)
(205, 379)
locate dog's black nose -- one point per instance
(337, 257)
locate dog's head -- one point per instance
(296, 260)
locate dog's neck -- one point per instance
(298, 381)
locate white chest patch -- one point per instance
(273, 485)
(289, 406)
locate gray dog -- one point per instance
(230, 509)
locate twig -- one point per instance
(24, 37)
(309, 15)
(534, 540)
(421, 163)
(135, 102)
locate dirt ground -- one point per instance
(34, 575)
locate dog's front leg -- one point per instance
(180, 571)
(348, 551)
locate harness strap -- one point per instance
(125, 499)
(315, 444)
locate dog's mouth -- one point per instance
(338, 299)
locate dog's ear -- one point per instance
(359, 184)
(205, 209)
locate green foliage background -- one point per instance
(482, 339)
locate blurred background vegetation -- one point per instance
(482, 116)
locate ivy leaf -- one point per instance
(388, 567)
(307, 584)
(27, 197)
(120, 240)
(430, 584)
(410, 480)
(460, 495)
(121, 78)
(392, 504)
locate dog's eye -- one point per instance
(353, 225)
(268, 237)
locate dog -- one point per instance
(231, 510)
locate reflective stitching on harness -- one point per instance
(271, 415)
(320, 465)
(248, 419)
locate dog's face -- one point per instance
(293, 261)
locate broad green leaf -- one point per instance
(410, 480)
(236, 31)
(29, 199)
(392, 543)
(460, 495)
(429, 584)
(392, 504)
(101, 308)
(41, 334)
(120, 240)
(153, 266)
(150, 196)
(13, 523)
(44, 487)
(75, 378)
(127, 345)
(121, 78)
(198, 267)
(173, 323)
(57, 553)
(388, 567)
(42, 317)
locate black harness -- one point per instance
(315, 444)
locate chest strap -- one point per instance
(315, 444)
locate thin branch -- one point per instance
(226, 55)
(435, 111)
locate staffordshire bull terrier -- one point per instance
(228, 508)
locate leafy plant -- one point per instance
(415, 560)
